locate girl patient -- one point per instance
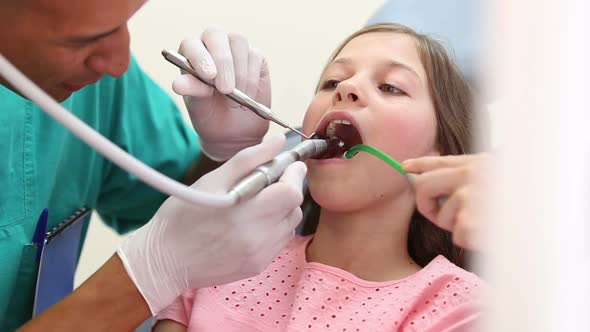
(373, 264)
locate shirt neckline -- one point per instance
(343, 274)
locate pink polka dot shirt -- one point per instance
(295, 295)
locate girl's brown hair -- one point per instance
(453, 103)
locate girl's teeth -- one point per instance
(331, 128)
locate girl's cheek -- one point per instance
(407, 137)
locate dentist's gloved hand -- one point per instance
(192, 246)
(223, 126)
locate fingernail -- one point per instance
(411, 178)
(407, 162)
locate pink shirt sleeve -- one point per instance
(464, 318)
(452, 302)
(179, 310)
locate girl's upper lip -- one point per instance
(337, 115)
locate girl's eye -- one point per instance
(330, 85)
(388, 88)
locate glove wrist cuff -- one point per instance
(155, 288)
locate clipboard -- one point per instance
(59, 258)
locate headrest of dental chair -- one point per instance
(456, 23)
(292, 139)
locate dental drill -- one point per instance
(259, 179)
(266, 174)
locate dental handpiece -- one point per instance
(267, 174)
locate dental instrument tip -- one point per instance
(299, 133)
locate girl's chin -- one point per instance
(340, 202)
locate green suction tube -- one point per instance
(389, 160)
(379, 154)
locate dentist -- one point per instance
(82, 59)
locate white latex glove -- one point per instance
(223, 126)
(191, 246)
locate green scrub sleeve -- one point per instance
(147, 124)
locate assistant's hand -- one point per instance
(223, 126)
(461, 179)
(193, 246)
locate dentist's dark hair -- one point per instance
(453, 102)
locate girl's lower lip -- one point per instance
(327, 161)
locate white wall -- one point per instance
(296, 37)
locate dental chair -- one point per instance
(456, 23)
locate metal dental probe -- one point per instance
(267, 174)
(236, 95)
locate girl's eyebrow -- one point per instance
(344, 61)
(340, 61)
(396, 64)
(390, 63)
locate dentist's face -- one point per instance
(64, 45)
(378, 86)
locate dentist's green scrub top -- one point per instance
(43, 165)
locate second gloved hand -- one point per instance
(464, 180)
(224, 127)
(192, 246)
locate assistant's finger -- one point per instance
(447, 215)
(465, 233)
(429, 163)
(431, 186)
